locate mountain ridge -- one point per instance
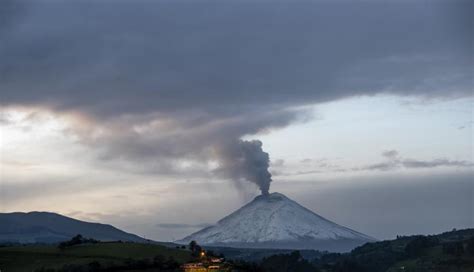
(48, 227)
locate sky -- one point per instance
(137, 113)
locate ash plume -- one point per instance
(245, 160)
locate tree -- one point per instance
(76, 240)
(470, 246)
(94, 266)
(292, 262)
(197, 251)
(453, 248)
(159, 261)
(171, 263)
(416, 246)
(192, 246)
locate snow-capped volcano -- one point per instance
(275, 221)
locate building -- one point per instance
(193, 267)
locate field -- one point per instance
(34, 257)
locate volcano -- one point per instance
(275, 221)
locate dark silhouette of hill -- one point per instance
(46, 227)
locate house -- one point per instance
(194, 267)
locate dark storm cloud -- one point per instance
(110, 58)
(10, 12)
(167, 80)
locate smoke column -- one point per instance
(245, 160)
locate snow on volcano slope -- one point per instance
(275, 221)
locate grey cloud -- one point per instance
(315, 166)
(277, 163)
(391, 154)
(167, 80)
(411, 163)
(11, 11)
(383, 166)
(157, 146)
(302, 173)
(113, 58)
(394, 161)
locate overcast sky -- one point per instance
(115, 111)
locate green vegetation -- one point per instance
(286, 262)
(91, 257)
(445, 252)
(77, 240)
(195, 249)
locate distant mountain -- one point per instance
(45, 227)
(275, 221)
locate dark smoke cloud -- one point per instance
(245, 160)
